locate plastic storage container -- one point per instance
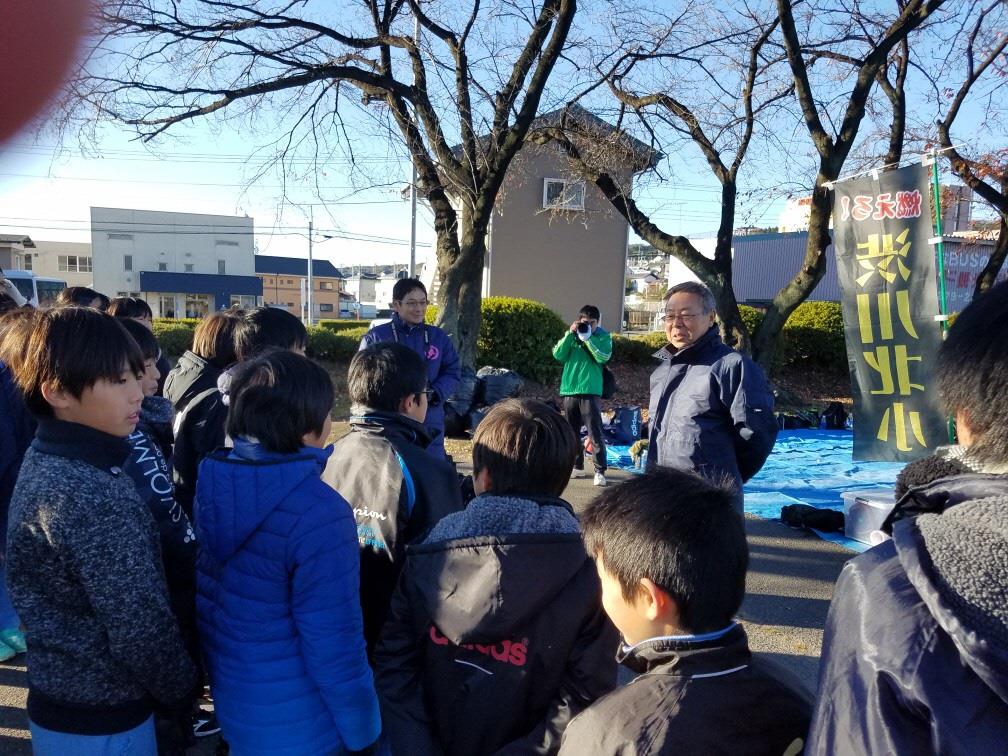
(865, 509)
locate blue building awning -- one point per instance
(199, 283)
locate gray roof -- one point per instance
(294, 266)
(22, 239)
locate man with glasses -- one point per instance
(409, 306)
(711, 409)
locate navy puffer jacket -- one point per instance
(278, 605)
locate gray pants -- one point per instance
(586, 410)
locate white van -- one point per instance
(40, 292)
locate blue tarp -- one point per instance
(806, 467)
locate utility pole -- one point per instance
(309, 273)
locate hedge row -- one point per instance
(813, 335)
(176, 336)
(347, 324)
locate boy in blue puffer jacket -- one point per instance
(278, 573)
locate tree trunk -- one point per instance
(996, 260)
(767, 336)
(460, 266)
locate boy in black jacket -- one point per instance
(83, 562)
(671, 554)
(496, 635)
(398, 491)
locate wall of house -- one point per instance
(68, 261)
(180, 242)
(286, 291)
(565, 259)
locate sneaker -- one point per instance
(205, 724)
(579, 472)
(600, 480)
(14, 638)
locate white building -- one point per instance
(182, 264)
(67, 261)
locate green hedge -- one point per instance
(518, 334)
(325, 344)
(813, 335)
(339, 326)
(174, 336)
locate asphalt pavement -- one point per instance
(788, 590)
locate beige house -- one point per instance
(67, 261)
(285, 284)
(554, 237)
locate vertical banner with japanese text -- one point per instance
(886, 268)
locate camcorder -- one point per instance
(584, 328)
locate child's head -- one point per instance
(131, 308)
(671, 553)
(389, 377)
(523, 447)
(973, 375)
(214, 339)
(15, 326)
(80, 365)
(590, 314)
(82, 296)
(266, 327)
(151, 351)
(282, 400)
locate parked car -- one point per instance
(39, 291)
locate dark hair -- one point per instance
(526, 446)
(81, 296)
(7, 303)
(214, 339)
(973, 372)
(277, 397)
(384, 374)
(696, 288)
(143, 337)
(268, 327)
(129, 307)
(591, 312)
(679, 531)
(404, 286)
(73, 348)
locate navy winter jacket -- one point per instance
(915, 650)
(711, 411)
(443, 367)
(17, 428)
(278, 605)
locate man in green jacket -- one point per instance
(583, 350)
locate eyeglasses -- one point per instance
(686, 317)
(414, 302)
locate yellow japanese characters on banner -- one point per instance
(886, 269)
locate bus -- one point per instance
(39, 291)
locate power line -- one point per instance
(207, 183)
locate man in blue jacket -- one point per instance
(409, 305)
(711, 408)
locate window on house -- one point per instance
(162, 267)
(560, 194)
(325, 307)
(188, 267)
(26, 263)
(127, 262)
(325, 285)
(220, 267)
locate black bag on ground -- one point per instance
(498, 383)
(805, 516)
(476, 417)
(836, 416)
(464, 396)
(455, 425)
